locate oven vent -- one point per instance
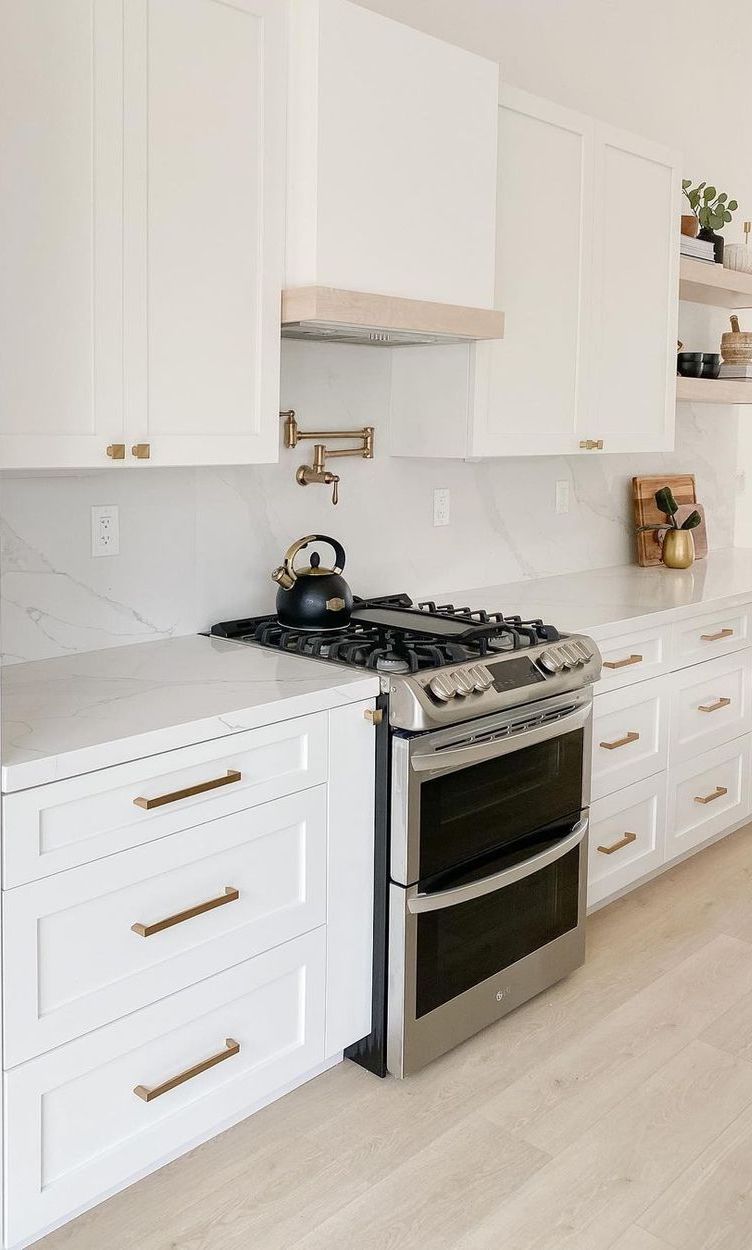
(519, 725)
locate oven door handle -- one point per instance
(475, 752)
(476, 889)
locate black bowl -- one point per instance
(711, 365)
(689, 364)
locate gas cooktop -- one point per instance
(439, 664)
(392, 635)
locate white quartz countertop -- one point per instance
(62, 717)
(603, 602)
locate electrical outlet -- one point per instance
(441, 506)
(562, 497)
(105, 530)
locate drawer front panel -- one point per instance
(74, 961)
(59, 826)
(633, 657)
(627, 837)
(630, 735)
(75, 1126)
(707, 636)
(708, 794)
(711, 703)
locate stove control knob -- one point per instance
(440, 689)
(549, 661)
(481, 678)
(465, 682)
(584, 649)
(570, 656)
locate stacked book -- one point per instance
(738, 372)
(699, 249)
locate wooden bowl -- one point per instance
(736, 348)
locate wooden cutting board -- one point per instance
(648, 544)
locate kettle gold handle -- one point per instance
(286, 575)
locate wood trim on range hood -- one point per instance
(332, 315)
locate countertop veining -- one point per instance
(77, 713)
(602, 602)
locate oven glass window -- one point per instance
(472, 811)
(461, 946)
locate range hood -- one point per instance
(335, 316)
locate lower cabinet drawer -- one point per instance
(711, 703)
(87, 1117)
(90, 945)
(633, 656)
(630, 735)
(708, 794)
(627, 835)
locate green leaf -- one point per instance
(726, 218)
(709, 194)
(722, 197)
(693, 520)
(665, 501)
(732, 206)
(686, 182)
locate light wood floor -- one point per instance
(612, 1113)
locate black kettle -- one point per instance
(313, 598)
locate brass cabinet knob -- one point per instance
(116, 451)
(142, 451)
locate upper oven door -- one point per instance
(465, 793)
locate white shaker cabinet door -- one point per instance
(61, 189)
(536, 373)
(204, 209)
(636, 293)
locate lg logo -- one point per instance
(502, 993)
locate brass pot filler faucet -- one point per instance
(308, 474)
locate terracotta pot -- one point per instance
(689, 225)
(678, 549)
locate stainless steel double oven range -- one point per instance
(483, 786)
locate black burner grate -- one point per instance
(396, 648)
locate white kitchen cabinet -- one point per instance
(635, 303)
(391, 159)
(61, 189)
(590, 298)
(142, 231)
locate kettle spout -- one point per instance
(283, 577)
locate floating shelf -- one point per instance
(701, 283)
(714, 391)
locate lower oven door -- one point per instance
(462, 957)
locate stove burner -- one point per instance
(395, 647)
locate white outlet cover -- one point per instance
(105, 530)
(441, 502)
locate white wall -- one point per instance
(197, 546)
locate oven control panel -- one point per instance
(513, 673)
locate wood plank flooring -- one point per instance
(612, 1113)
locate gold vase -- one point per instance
(678, 549)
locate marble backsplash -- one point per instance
(197, 545)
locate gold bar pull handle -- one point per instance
(116, 451)
(718, 793)
(722, 633)
(621, 742)
(230, 895)
(713, 707)
(629, 659)
(148, 805)
(141, 451)
(156, 1091)
(627, 840)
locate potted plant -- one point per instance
(712, 209)
(678, 551)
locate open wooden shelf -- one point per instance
(714, 390)
(702, 283)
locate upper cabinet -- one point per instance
(591, 303)
(141, 231)
(391, 159)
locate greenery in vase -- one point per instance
(712, 209)
(666, 503)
